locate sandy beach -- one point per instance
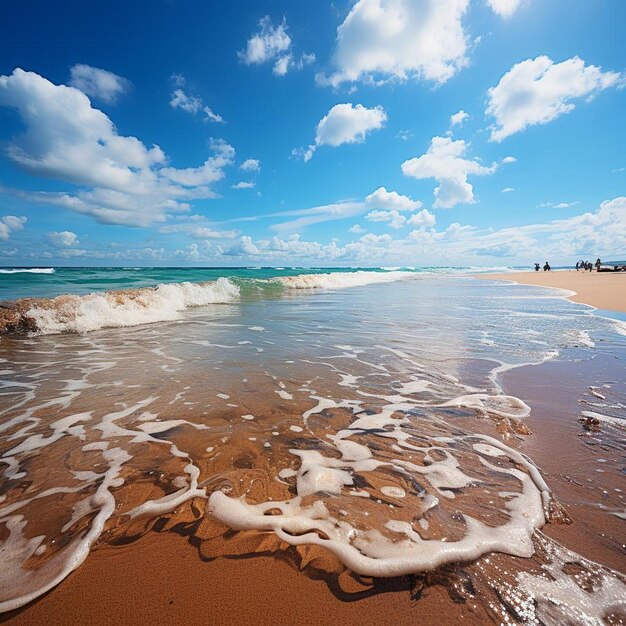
(164, 576)
(604, 290)
(314, 457)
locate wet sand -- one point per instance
(604, 290)
(162, 577)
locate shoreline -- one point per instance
(164, 575)
(602, 290)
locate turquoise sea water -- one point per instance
(47, 282)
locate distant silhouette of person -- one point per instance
(537, 266)
(578, 264)
(598, 264)
(546, 267)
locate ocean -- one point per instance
(362, 412)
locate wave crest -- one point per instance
(113, 309)
(30, 270)
(342, 280)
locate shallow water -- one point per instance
(347, 418)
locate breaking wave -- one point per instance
(113, 309)
(342, 280)
(30, 270)
(163, 303)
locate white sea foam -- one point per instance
(30, 270)
(166, 302)
(342, 280)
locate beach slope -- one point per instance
(605, 290)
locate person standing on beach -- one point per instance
(546, 267)
(598, 264)
(577, 265)
(537, 266)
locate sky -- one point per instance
(283, 132)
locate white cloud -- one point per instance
(194, 105)
(458, 118)
(346, 123)
(281, 67)
(273, 43)
(251, 165)
(401, 39)
(537, 91)
(356, 229)
(244, 184)
(64, 238)
(423, 219)
(599, 233)
(504, 8)
(383, 199)
(395, 219)
(9, 224)
(317, 215)
(199, 231)
(559, 205)
(210, 171)
(445, 163)
(189, 253)
(96, 83)
(508, 190)
(267, 44)
(121, 181)
(509, 159)
(245, 247)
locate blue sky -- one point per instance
(367, 132)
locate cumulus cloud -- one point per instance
(194, 105)
(357, 228)
(251, 165)
(244, 184)
(444, 161)
(383, 199)
(400, 39)
(423, 219)
(504, 8)
(63, 239)
(508, 190)
(121, 180)
(273, 44)
(244, 247)
(601, 232)
(189, 253)
(537, 91)
(395, 219)
(9, 224)
(97, 83)
(458, 118)
(345, 123)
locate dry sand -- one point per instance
(604, 290)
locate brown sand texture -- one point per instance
(603, 290)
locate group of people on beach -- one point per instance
(586, 266)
